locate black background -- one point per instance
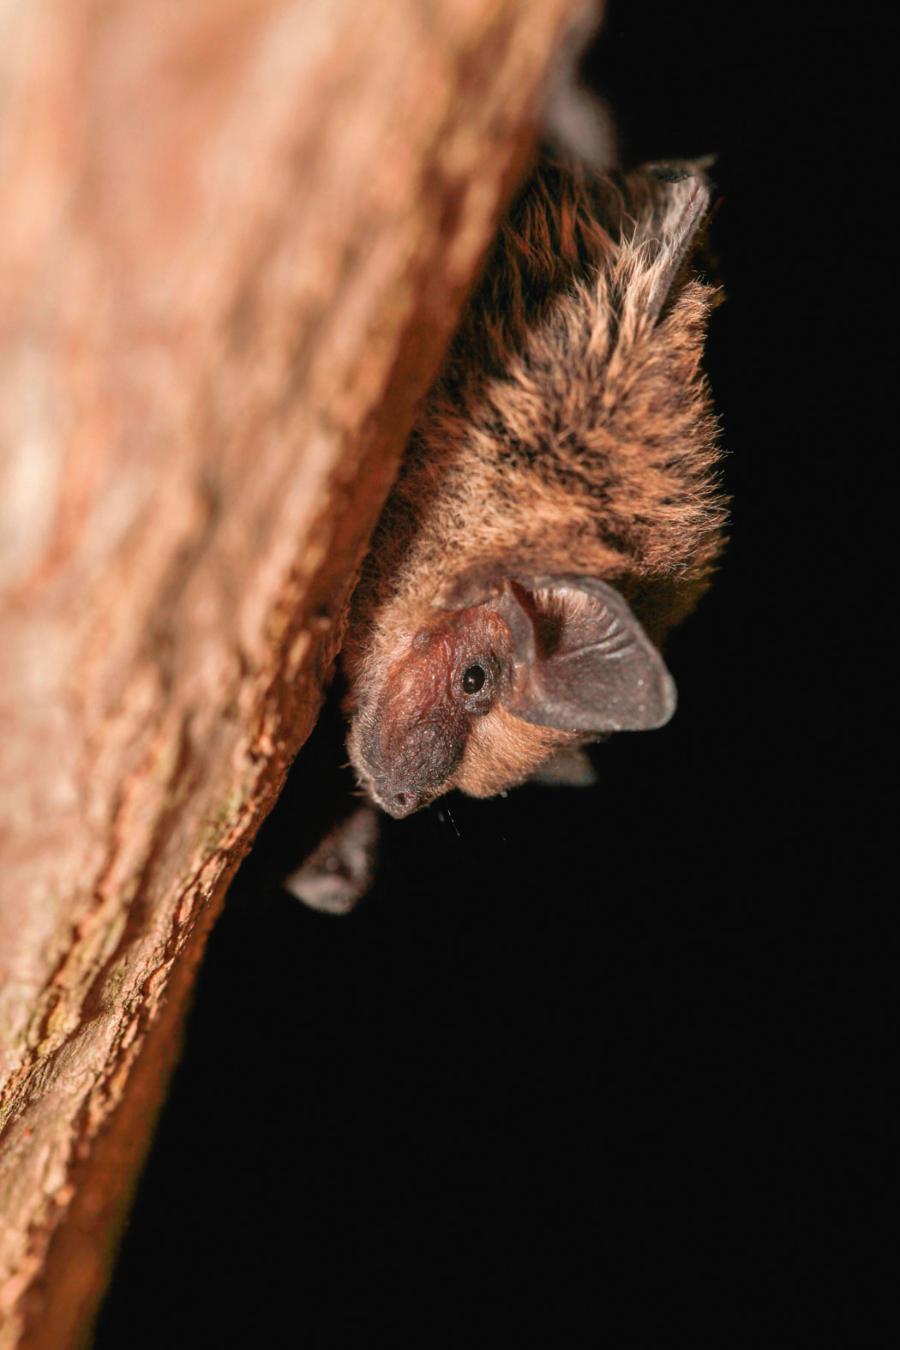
(588, 1065)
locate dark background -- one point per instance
(588, 1065)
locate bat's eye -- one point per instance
(473, 679)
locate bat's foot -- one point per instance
(339, 873)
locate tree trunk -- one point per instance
(235, 237)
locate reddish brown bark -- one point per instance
(233, 241)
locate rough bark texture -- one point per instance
(234, 238)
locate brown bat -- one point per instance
(558, 509)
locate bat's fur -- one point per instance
(570, 432)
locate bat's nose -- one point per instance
(402, 803)
(397, 803)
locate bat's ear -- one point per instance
(669, 225)
(581, 660)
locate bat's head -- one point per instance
(503, 674)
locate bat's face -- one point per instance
(486, 692)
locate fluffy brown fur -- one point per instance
(570, 432)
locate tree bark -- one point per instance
(235, 236)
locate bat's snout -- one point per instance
(397, 803)
(405, 764)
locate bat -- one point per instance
(558, 509)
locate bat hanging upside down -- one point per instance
(558, 508)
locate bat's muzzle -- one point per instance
(398, 803)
